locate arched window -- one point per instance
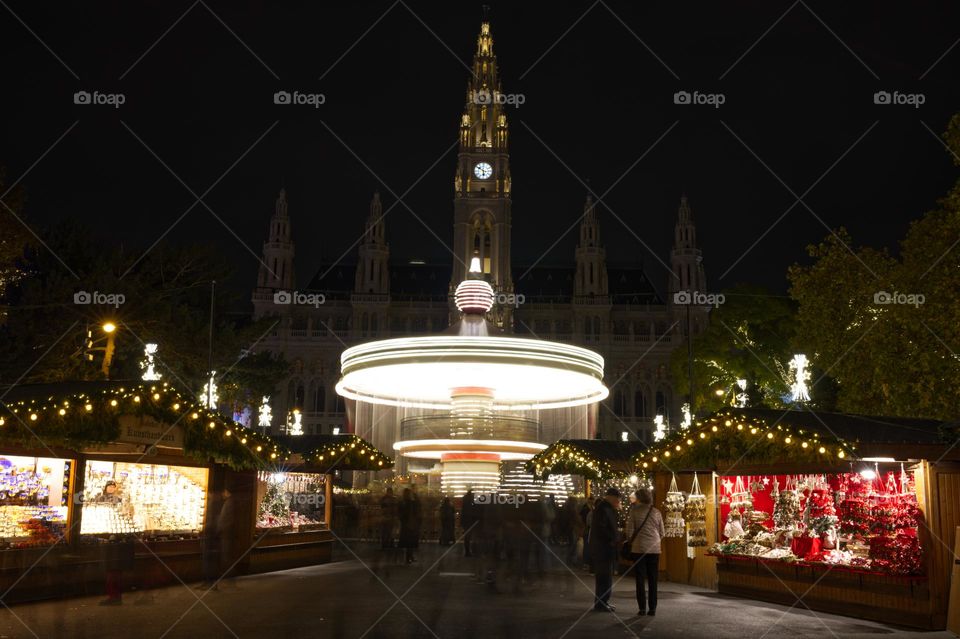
(640, 405)
(619, 404)
(299, 396)
(661, 404)
(320, 398)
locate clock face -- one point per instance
(483, 170)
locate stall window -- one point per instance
(33, 500)
(149, 499)
(293, 501)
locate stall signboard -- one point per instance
(143, 429)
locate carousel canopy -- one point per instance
(74, 415)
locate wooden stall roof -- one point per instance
(591, 458)
(74, 415)
(754, 436)
(327, 453)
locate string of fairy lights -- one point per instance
(350, 452)
(793, 443)
(565, 457)
(172, 406)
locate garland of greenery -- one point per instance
(566, 458)
(726, 437)
(349, 453)
(75, 420)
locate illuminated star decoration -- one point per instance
(266, 413)
(799, 390)
(661, 432)
(149, 374)
(296, 428)
(209, 397)
(727, 485)
(687, 417)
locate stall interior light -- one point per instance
(881, 460)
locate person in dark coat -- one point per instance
(604, 543)
(226, 527)
(448, 518)
(468, 521)
(410, 520)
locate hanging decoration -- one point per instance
(208, 396)
(798, 390)
(740, 395)
(147, 365)
(660, 432)
(673, 504)
(266, 414)
(696, 515)
(296, 428)
(687, 416)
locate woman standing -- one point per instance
(645, 531)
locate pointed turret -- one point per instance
(686, 259)
(276, 268)
(373, 276)
(591, 256)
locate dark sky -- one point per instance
(595, 94)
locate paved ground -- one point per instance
(438, 597)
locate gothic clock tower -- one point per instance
(481, 224)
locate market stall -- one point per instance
(295, 501)
(97, 473)
(855, 514)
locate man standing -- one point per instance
(604, 539)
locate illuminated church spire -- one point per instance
(482, 182)
(276, 268)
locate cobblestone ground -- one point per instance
(366, 595)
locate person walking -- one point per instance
(603, 543)
(645, 530)
(410, 521)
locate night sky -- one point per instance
(596, 99)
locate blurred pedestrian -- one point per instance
(410, 521)
(226, 533)
(388, 519)
(604, 546)
(645, 530)
(118, 553)
(468, 521)
(448, 518)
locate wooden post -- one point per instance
(78, 471)
(328, 500)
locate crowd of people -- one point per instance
(521, 539)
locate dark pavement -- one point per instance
(437, 597)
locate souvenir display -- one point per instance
(34, 493)
(864, 521)
(149, 499)
(290, 501)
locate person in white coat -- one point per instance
(645, 532)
